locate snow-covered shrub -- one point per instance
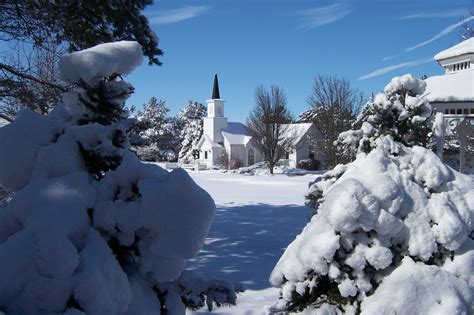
(308, 164)
(392, 233)
(91, 229)
(235, 164)
(399, 111)
(223, 160)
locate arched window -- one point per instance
(205, 155)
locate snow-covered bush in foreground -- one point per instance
(392, 234)
(90, 229)
(399, 111)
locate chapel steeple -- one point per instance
(215, 89)
(215, 106)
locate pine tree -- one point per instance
(158, 132)
(190, 125)
(399, 111)
(91, 229)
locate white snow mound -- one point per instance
(102, 60)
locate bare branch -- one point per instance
(267, 124)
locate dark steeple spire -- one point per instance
(215, 90)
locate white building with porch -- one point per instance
(453, 93)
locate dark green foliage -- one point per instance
(309, 164)
(97, 163)
(105, 100)
(324, 291)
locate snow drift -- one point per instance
(90, 228)
(392, 232)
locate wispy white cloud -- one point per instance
(391, 68)
(391, 57)
(444, 32)
(320, 16)
(177, 15)
(459, 13)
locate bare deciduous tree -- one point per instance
(35, 33)
(467, 30)
(267, 124)
(29, 78)
(334, 106)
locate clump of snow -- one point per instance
(408, 82)
(3, 122)
(453, 87)
(420, 289)
(370, 216)
(90, 228)
(101, 61)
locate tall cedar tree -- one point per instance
(267, 124)
(190, 129)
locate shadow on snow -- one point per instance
(246, 241)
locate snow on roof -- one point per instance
(297, 130)
(236, 133)
(237, 128)
(465, 47)
(236, 138)
(101, 61)
(456, 87)
(213, 144)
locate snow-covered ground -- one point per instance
(257, 217)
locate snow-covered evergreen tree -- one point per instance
(399, 111)
(391, 232)
(158, 132)
(190, 124)
(91, 229)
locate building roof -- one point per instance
(234, 139)
(215, 89)
(463, 48)
(298, 131)
(455, 87)
(236, 133)
(208, 140)
(237, 128)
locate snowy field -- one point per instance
(257, 217)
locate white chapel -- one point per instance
(221, 136)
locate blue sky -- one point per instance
(286, 43)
